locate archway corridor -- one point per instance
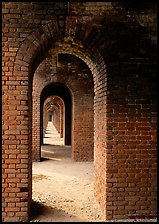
(52, 136)
(99, 60)
(62, 188)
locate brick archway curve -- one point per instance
(27, 59)
(52, 104)
(64, 92)
(56, 99)
(49, 102)
(57, 110)
(54, 109)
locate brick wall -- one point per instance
(81, 86)
(19, 20)
(131, 158)
(119, 47)
(45, 123)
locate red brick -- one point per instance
(120, 122)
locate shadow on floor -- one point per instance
(41, 212)
(56, 152)
(43, 159)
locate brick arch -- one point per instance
(49, 109)
(82, 145)
(41, 40)
(60, 102)
(54, 111)
(124, 152)
(26, 61)
(38, 41)
(62, 91)
(57, 110)
(51, 102)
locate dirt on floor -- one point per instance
(63, 189)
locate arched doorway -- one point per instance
(63, 92)
(33, 61)
(74, 73)
(54, 120)
(118, 147)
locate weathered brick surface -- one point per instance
(118, 44)
(81, 87)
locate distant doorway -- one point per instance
(50, 117)
(52, 136)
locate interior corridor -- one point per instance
(91, 69)
(62, 188)
(52, 136)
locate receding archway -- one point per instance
(54, 111)
(62, 91)
(31, 60)
(110, 146)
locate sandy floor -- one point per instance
(62, 188)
